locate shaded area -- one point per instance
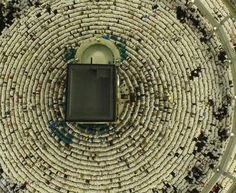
(59, 129)
(194, 175)
(122, 48)
(69, 54)
(7, 185)
(35, 3)
(120, 44)
(201, 142)
(94, 129)
(222, 112)
(184, 14)
(195, 73)
(7, 14)
(222, 56)
(181, 14)
(216, 189)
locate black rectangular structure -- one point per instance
(91, 93)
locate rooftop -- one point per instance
(91, 93)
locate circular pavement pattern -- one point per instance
(174, 71)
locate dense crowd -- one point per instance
(169, 88)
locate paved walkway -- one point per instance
(232, 142)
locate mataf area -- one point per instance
(176, 127)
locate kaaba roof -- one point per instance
(91, 93)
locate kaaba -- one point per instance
(91, 93)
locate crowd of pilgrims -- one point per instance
(12, 9)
